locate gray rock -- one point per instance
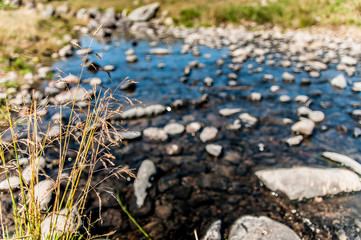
(208, 134)
(44, 71)
(95, 82)
(128, 135)
(70, 79)
(304, 126)
(339, 82)
(226, 112)
(316, 65)
(43, 193)
(142, 182)
(288, 77)
(54, 131)
(174, 128)
(294, 141)
(193, 127)
(214, 149)
(144, 13)
(154, 110)
(357, 132)
(133, 113)
(160, 51)
(214, 231)
(305, 182)
(208, 81)
(12, 183)
(249, 227)
(344, 160)
(72, 95)
(155, 134)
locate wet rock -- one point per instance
(304, 127)
(255, 96)
(193, 127)
(144, 13)
(284, 99)
(208, 134)
(305, 182)
(66, 51)
(356, 113)
(314, 74)
(54, 131)
(294, 141)
(275, 88)
(84, 51)
(66, 221)
(288, 77)
(142, 182)
(214, 149)
(318, 66)
(160, 51)
(131, 58)
(303, 111)
(232, 76)
(285, 63)
(226, 112)
(356, 87)
(249, 227)
(155, 134)
(173, 149)
(95, 82)
(357, 132)
(109, 68)
(316, 116)
(236, 125)
(248, 119)
(208, 81)
(70, 79)
(43, 193)
(267, 78)
(347, 60)
(128, 86)
(12, 183)
(214, 231)
(302, 99)
(161, 65)
(339, 82)
(133, 113)
(344, 161)
(154, 110)
(174, 128)
(71, 95)
(128, 135)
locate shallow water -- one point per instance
(201, 188)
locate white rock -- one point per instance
(356, 87)
(141, 183)
(128, 135)
(249, 227)
(193, 127)
(284, 99)
(344, 160)
(208, 134)
(155, 134)
(95, 82)
(214, 231)
(214, 149)
(275, 88)
(174, 128)
(247, 118)
(43, 193)
(301, 98)
(173, 149)
(303, 111)
(160, 51)
(288, 77)
(226, 112)
(255, 96)
(71, 95)
(84, 51)
(348, 60)
(130, 52)
(305, 182)
(109, 68)
(316, 116)
(305, 127)
(294, 141)
(13, 182)
(131, 58)
(339, 82)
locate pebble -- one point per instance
(248, 119)
(95, 82)
(214, 149)
(226, 112)
(294, 141)
(288, 77)
(131, 58)
(316, 116)
(142, 182)
(304, 126)
(155, 134)
(208, 81)
(13, 182)
(174, 128)
(284, 99)
(255, 96)
(173, 149)
(208, 134)
(128, 135)
(275, 88)
(302, 99)
(193, 127)
(43, 193)
(160, 51)
(303, 111)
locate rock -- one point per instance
(164, 211)
(267, 77)
(66, 51)
(301, 99)
(43, 72)
(131, 59)
(109, 68)
(84, 51)
(275, 88)
(70, 79)
(226, 112)
(344, 161)
(66, 221)
(214, 149)
(142, 182)
(155, 134)
(130, 52)
(208, 81)
(128, 135)
(305, 127)
(284, 99)
(235, 126)
(314, 74)
(249, 227)
(54, 131)
(161, 65)
(12, 183)
(193, 127)
(294, 141)
(160, 51)
(288, 77)
(356, 113)
(208, 134)
(71, 95)
(154, 110)
(174, 128)
(356, 87)
(255, 96)
(144, 13)
(49, 11)
(248, 119)
(173, 149)
(348, 60)
(43, 193)
(32, 171)
(95, 82)
(285, 63)
(214, 231)
(316, 116)
(128, 86)
(305, 82)
(339, 82)
(357, 132)
(318, 66)
(305, 182)
(303, 111)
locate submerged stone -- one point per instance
(305, 182)
(142, 182)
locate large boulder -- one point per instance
(249, 227)
(144, 13)
(306, 182)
